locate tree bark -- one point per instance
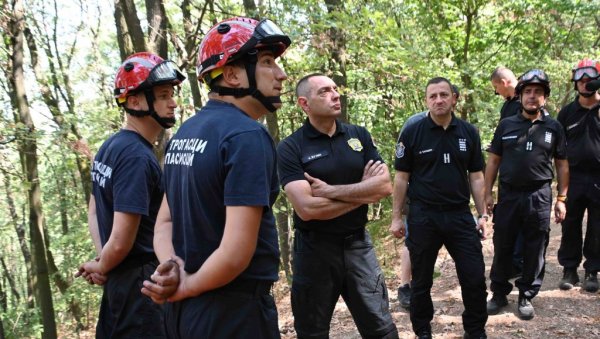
(157, 28)
(123, 38)
(28, 150)
(132, 24)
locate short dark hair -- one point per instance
(438, 80)
(456, 91)
(302, 85)
(501, 72)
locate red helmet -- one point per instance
(142, 71)
(588, 67)
(230, 39)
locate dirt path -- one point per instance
(559, 314)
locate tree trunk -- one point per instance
(132, 26)
(13, 285)
(20, 231)
(338, 56)
(123, 38)
(28, 150)
(157, 28)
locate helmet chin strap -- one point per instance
(165, 123)
(586, 94)
(533, 111)
(252, 90)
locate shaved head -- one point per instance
(502, 73)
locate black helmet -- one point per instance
(533, 76)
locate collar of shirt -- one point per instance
(312, 132)
(541, 120)
(433, 125)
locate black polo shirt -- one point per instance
(510, 107)
(527, 149)
(582, 129)
(337, 160)
(439, 160)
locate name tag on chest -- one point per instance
(314, 156)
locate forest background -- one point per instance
(58, 59)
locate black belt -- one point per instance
(248, 286)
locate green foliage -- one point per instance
(391, 48)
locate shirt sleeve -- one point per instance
(562, 117)
(496, 145)
(134, 181)
(560, 151)
(476, 162)
(403, 160)
(248, 160)
(288, 163)
(371, 152)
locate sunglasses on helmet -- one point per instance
(590, 72)
(534, 73)
(166, 71)
(267, 32)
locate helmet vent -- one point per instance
(223, 28)
(128, 67)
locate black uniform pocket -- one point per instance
(541, 202)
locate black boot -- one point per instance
(570, 278)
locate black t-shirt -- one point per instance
(511, 107)
(126, 178)
(582, 130)
(527, 149)
(221, 157)
(337, 160)
(439, 160)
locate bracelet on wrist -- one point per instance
(561, 198)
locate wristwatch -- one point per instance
(562, 198)
(484, 216)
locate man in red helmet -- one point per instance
(126, 196)
(581, 124)
(523, 149)
(221, 181)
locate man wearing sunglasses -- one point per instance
(581, 124)
(216, 220)
(523, 149)
(126, 196)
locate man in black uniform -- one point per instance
(581, 123)
(504, 83)
(440, 157)
(523, 148)
(330, 172)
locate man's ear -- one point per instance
(134, 101)
(303, 103)
(232, 75)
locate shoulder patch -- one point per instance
(355, 144)
(400, 150)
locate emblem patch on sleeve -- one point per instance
(355, 144)
(399, 150)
